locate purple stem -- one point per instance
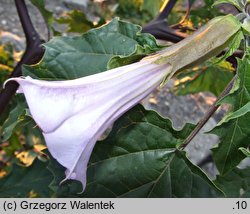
(33, 53)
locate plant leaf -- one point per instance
(236, 114)
(139, 159)
(235, 183)
(234, 133)
(17, 117)
(76, 21)
(233, 46)
(246, 26)
(200, 15)
(67, 57)
(202, 78)
(236, 3)
(23, 180)
(245, 151)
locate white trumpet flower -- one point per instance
(73, 114)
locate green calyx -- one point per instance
(208, 41)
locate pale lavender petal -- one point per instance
(73, 114)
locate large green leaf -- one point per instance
(139, 159)
(25, 180)
(234, 132)
(78, 56)
(202, 78)
(235, 183)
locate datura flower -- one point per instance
(73, 114)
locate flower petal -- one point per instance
(73, 114)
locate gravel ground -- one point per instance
(180, 109)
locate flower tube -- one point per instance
(73, 114)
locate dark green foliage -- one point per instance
(233, 129)
(133, 161)
(67, 57)
(23, 181)
(202, 78)
(235, 183)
